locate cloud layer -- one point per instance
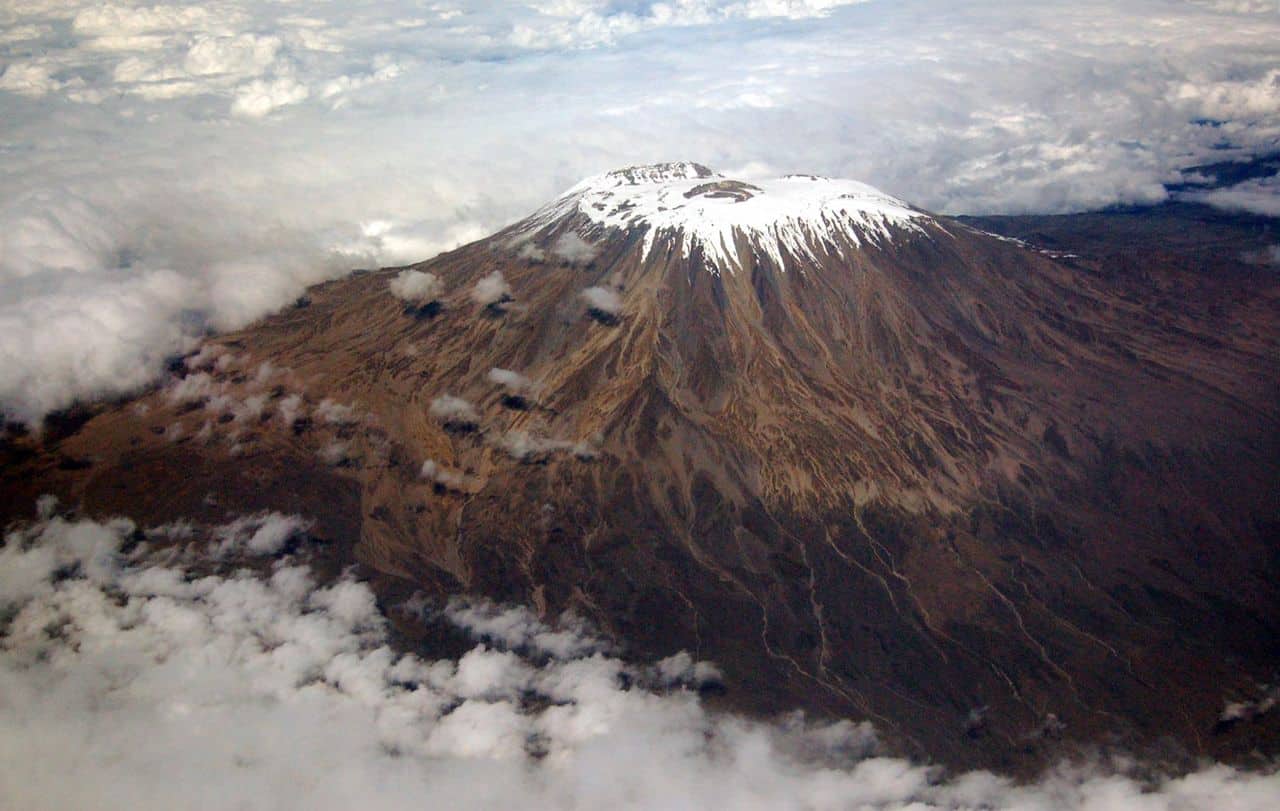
(129, 680)
(167, 169)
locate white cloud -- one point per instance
(525, 446)
(1260, 196)
(291, 409)
(513, 382)
(337, 452)
(262, 534)
(28, 79)
(445, 477)
(416, 286)
(453, 410)
(587, 23)
(94, 337)
(120, 20)
(263, 97)
(491, 289)
(127, 683)
(573, 248)
(336, 413)
(603, 299)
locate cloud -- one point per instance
(96, 337)
(291, 409)
(1237, 711)
(527, 447)
(450, 479)
(335, 413)
(336, 453)
(261, 534)
(28, 79)
(573, 248)
(168, 169)
(260, 98)
(491, 290)
(603, 300)
(130, 683)
(588, 23)
(454, 411)
(417, 287)
(513, 382)
(1260, 196)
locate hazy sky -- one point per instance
(171, 168)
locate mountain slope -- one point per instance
(869, 460)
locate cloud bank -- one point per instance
(130, 681)
(167, 169)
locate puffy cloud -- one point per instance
(335, 413)
(454, 411)
(261, 534)
(259, 97)
(445, 477)
(517, 628)
(28, 79)
(126, 682)
(98, 336)
(416, 286)
(291, 409)
(573, 248)
(1236, 711)
(245, 55)
(491, 290)
(526, 447)
(1260, 196)
(587, 23)
(338, 452)
(513, 382)
(116, 20)
(603, 300)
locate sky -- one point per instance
(166, 170)
(134, 677)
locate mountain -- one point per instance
(870, 461)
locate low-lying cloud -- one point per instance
(454, 410)
(603, 300)
(1260, 196)
(491, 290)
(444, 476)
(127, 680)
(573, 248)
(416, 287)
(512, 382)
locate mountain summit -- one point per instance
(726, 223)
(871, 461)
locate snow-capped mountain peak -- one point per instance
(796, 216)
